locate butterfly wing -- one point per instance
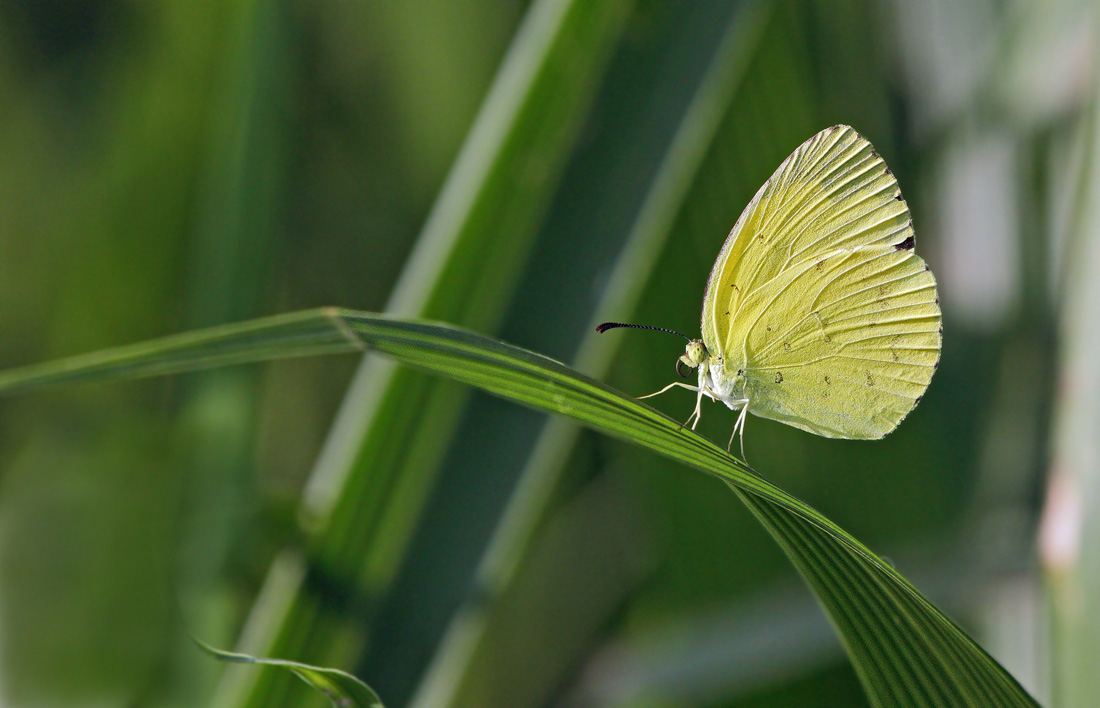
(818, 298)
(845, 346)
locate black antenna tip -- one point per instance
(612, 325)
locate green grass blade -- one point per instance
(364, 498)
(341, 688)
(905, 651)
(682, 189)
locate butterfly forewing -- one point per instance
(819, 299)
(832, 191)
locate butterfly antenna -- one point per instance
(612, 325)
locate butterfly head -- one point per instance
(694, 355)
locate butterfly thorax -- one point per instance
(727, 385)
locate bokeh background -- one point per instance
(175, 164)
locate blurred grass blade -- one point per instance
(905, 651)
(1069, 535)
(458, 667)
(364, 498)
(341, 688)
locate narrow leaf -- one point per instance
(341, 688)
(906, 652)
(366, 493)
(280, 337)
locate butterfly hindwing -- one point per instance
(844, 347)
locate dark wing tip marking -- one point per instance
(907, 244)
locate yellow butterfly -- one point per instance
(817, 312)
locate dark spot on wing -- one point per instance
(786, 347)
(886, 169)
(779, 377)
(937, 301)
(907, 244)
(740, 372)
(917, 400)
(827, 380)
(870, 379)
(898, 195)
(769, 329)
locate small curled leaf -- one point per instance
(341, 688)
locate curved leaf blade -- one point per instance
(906, 652)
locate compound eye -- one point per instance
(696, 352)
(684, 373)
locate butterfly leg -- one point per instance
(740, 426)
(693, 419)
(703, 391)
(674, 383)
(694, 415)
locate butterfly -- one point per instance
(817, 312)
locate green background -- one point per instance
(170, 165)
